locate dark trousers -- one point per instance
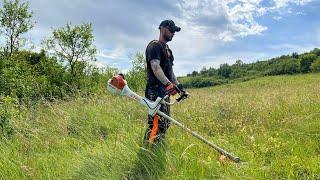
(157, 125)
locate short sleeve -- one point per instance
(153, 51)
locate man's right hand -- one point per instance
(172, 89)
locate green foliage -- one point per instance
(73, 44)
(284, 66)
(30, 76)
(8, 111)
(239, 71)
(295, 55)
(136, 77)
(199, 82)
(316, 51)
(94, 80)
(306, 62)
(225, 70)
(194, 73)
(315, 66)
(16, 79)
(15, 20)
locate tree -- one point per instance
(225, 70)
(15, 19)
(194, 73)
(138, 62)
(73, 44)
(295, 55)
(136, 76)
(289, 66)
(316, 51)
(203, 71)
(239, 63)
(306, 62)
(315, 66)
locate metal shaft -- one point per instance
(219, 149)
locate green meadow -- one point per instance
(271, 123)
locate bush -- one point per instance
(285, 66)
(315, 66)
(136, 77)
(29, 76)
(8, 111)
(316, 51)
(199, 82)
(225, 70)
(290, 66)
(16, 79)
(306, 62)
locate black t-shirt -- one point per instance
(162, 52)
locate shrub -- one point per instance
(315, 66)
(285, 66)
(136, 77)
(199, 82)
(306, 62)
(8, 111)
(225, 70)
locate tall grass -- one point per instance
(272, 123)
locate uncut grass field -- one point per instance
(271, 123)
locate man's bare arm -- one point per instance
(158, 72)
(173, 77)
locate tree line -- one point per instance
(239, 71)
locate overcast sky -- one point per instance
(213, 31)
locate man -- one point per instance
(160, 79)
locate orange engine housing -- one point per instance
(118, 81)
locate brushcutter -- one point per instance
(118, 85)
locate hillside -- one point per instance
(239, 71)
(272, 123)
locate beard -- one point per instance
(168, 38)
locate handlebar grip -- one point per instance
(183, 95)
(179, 99)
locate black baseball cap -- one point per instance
(170, 25)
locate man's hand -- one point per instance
(172, 89)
